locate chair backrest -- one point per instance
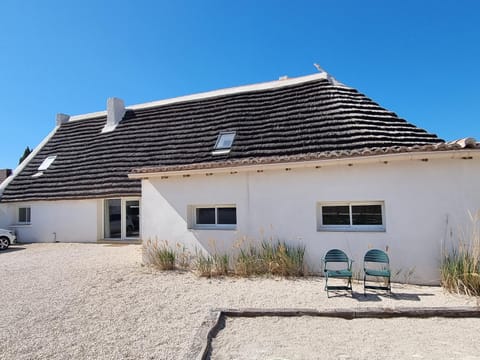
(377, 256)
(335, 255)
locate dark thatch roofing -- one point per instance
(310, 118)
(325, 155)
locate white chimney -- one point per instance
(62, 119)
(115, 112)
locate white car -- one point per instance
(7, 237)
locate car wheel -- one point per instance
(4, 243)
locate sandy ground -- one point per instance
(89, 301)
(328, 338)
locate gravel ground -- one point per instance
(91, 301)
(328, 338)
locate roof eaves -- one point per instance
(328, 155)
(71, 197)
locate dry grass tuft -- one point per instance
(268, 258)
(460, 269)
(271, 258)
(159, 254)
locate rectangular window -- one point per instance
(214, 217)
(205, 216)
(24, 215)
(367, 215)
(224, 143)
(335, 215)
(352, 216)
(225, 140)
(47, 162)
(227, 216)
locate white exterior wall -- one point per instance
(62, 221)
(426, 205)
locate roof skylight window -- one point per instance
(45, 165)
(47, 162)
(224, 142)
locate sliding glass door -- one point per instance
(132, 211)
(121, 219)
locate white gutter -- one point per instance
(24, 163)
(418, 156)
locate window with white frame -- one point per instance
(224, 143)
(44, 165)
(351, 216)
(24, 215)
(47, 162)
(213, 217)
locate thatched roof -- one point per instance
(309, 118)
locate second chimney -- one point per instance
(61, 119)
(115, 112)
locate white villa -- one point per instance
(304, 160)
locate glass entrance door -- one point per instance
(132, 211)
(113, 219)
(121, 219)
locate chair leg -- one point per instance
(364, 282)
(326, 282)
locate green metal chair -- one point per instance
(337, 265)
(376, 264)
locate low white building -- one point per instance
(307, 161)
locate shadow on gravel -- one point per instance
(369, 297)
(376, 297)
(12, 248)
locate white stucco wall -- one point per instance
(426, 205)
(62, 221)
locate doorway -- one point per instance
(121, 219)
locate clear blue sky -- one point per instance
(420, 59)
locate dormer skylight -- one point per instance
(45, 165)
(224, 143)
(47, 162)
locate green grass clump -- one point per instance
(203, 264)
(247, 262)
(461, 272)
(460, 269)
(283, 259)
(271, 258)
(215, 265)
(160, 255)
(221, 264)
(266, 258)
